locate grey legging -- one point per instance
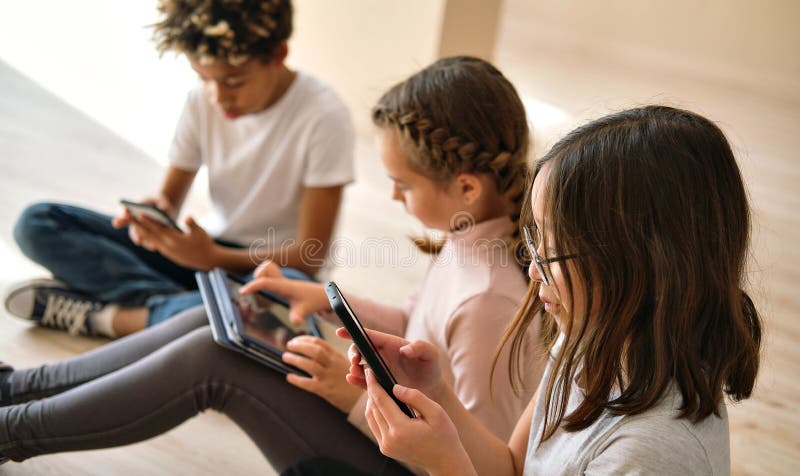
(146, 384)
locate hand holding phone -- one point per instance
(365, 346)
(138, 210)
(415, 363)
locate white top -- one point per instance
(654, 442)
(259, 164)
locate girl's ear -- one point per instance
(469, 186)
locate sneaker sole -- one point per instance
(23, 286)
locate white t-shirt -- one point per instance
(653, 442)
(259, 164)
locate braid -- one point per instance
(461, 115)
(442, 155)
(515, 193)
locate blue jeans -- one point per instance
(82, 249)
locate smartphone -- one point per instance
(138, 209)
(365, 346)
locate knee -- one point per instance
(36, 223)
(197, 350)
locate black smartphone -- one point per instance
(365, 346)
(138, 209)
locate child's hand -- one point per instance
(268, 269)
(305, 298)
(126, 219)
(327, 368)
(415, 364)
(429, 441)
(193, 248)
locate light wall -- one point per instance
(97, 56)
(362, 47)
(743, 40)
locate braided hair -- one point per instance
(232, 31)
(459, 115)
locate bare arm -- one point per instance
(446, 438)
(175, 188)
(319, 207)
(489, 454)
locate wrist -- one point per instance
(165, 203)
(350, 400)
(444, 395)
(457, 463)
(216, 256)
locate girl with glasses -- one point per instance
(638, 228)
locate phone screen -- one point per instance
(264, 319)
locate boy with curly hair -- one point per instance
(278, 146)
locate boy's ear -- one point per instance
(281, 52)
(469, 186)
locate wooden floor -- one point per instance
(50, 151)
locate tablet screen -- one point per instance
(264, 319)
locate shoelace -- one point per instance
(67, 313)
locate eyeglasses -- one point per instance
(537, 260)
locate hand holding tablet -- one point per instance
(256, 324)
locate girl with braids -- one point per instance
(454, 139)
(637, 226)
(278, 148)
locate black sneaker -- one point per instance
(49, 303)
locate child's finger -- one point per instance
(268, 269)
(147, 227)
(342, 332)
(299, 381)
(419, 350)
(356, 381)
(379, 397)
(277, 286)
(152, 225)
(121, 220)
(311, 347)
(377, 418)
(353, 354)
(383, 402)
(302, 362)
(416, 400)
(373, 425)
(191, 225)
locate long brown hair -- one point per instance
(652, 201)
(460, 114)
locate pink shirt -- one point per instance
(470, 294)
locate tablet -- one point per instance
(137, 210)
(365, 346)
(260, 320)
(221, 331)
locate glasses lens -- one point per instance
(534, 255)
